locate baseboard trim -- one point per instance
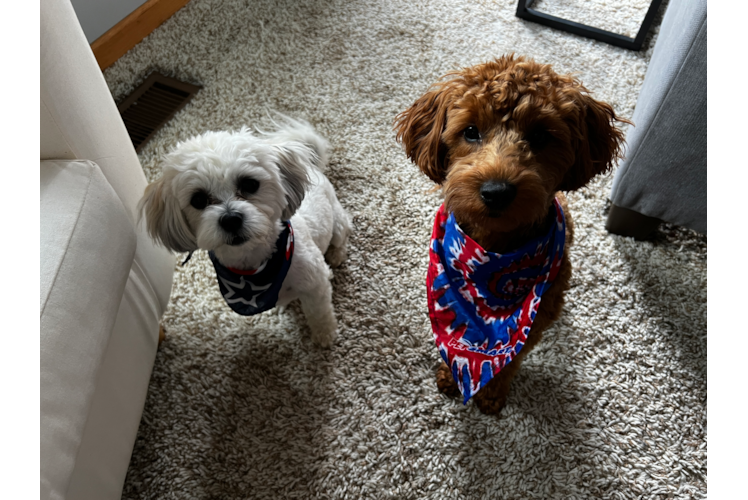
(131, 30)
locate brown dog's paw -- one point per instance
(490, 406)
(445, 382)
(492, 397)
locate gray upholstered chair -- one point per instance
(663, 177)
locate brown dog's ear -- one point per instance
(420, 127)
(600, 144)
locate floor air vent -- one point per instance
(153, 104)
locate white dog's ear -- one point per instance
(165, 221)
(294, 162)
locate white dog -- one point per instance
(232, 193)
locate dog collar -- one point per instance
(250, 292)
(482, 304)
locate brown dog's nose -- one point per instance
(497, 195)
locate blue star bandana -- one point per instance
(250, 292)
(482, 304)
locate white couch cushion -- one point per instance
(87, 248)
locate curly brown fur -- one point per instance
(539, 133)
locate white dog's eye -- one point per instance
(199, 200)
(248, 186)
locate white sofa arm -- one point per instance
(79, 118)
(87, 457)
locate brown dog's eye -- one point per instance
(538, 138)
(471, 134)
(199, 200)
(248, 186)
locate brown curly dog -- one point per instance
(502, 139)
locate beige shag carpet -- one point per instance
(612, 404)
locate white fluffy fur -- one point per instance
(288, 164)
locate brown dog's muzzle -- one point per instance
(497, 195)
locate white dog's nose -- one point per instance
(231, 222)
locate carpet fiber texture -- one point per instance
(612, 404)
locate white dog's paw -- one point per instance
(324, 337)
(336, 256)
(317, 307)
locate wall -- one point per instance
(98, 16)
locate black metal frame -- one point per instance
(525, 12)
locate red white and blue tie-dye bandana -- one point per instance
(250, 292)
(482, 304)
